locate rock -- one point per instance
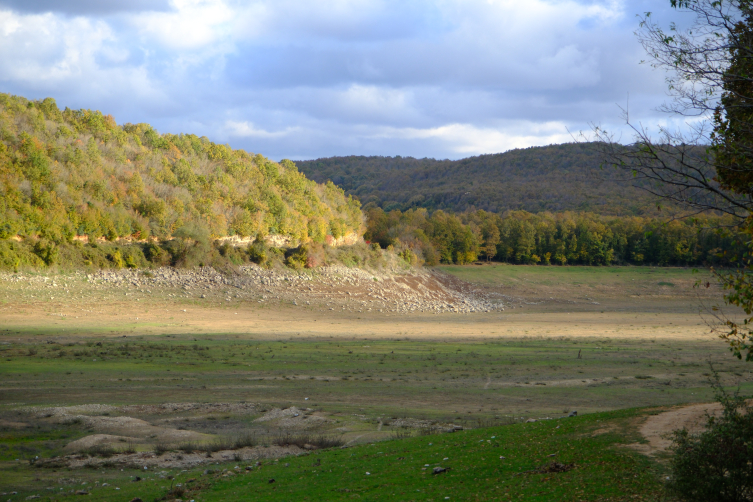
(136, 500)
(573, 414)
(271, 481)
(530, 420)
(82, 492)
(440, 470)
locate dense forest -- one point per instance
(551, 238)
(78, 189)
(554, 178)
(68, 176)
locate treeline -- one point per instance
(66, 174)
(553, 178)
(551, 238)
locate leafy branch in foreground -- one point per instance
(709, 166)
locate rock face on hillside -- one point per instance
(327, 288)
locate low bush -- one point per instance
(160, 449)
(245, 441)
(301, 440)
(101, 450)
(716, 464)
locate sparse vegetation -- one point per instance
(301, 440)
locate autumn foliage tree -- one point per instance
(72, 175)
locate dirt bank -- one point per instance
(657, 429)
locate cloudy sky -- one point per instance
(303, 79)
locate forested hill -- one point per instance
(68, 173)
(552, 178)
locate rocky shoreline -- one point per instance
(325, 288)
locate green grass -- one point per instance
(577, 276)
(448, 380)
(603, 470)
(402, 469)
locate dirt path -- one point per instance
(657, 428)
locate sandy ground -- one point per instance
(342, 306)
(657, 429)
(126, 317)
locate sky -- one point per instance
(304, 79)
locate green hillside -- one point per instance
(74, 173)
(552, 178)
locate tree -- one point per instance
(733, 132)
(708, 167)
(491, 239)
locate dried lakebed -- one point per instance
(326, 288)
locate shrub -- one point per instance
(297, 258)
(244, 441)
(117, 259)
(258, 252)
(231, 254)
(47, 251)
(160, 449)
(301, 440)
(16, 255)
(156, 254)
(716, 464)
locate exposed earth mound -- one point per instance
(326, 288)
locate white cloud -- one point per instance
(249, 130)
(79, 61)
(471, 140)
(192, 24)
(426, 77)
(45, 47)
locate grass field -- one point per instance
(493, 463)
(593, 340)
(445, 379)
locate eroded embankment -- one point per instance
(327, 288)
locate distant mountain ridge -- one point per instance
(555, 178)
